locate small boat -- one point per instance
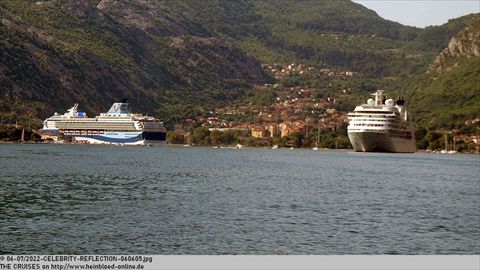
(239, 146)
(316, 144)
(275, 147)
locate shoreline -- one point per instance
(230, 147)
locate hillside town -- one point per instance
(295, 113)
(287, 111)
(296, 116)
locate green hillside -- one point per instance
(323, 33)
(437, 37)
(448, 94)
(447, 100)
(175, 59)
(58, 53)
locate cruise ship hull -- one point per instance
(380, 142)
(120, 138)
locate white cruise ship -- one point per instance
(381, 125)
(117, 126)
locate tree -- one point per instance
(175, 138)
(200, 134)
(434, 140)
(296, 138)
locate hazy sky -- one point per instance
(421, 13)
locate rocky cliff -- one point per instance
(465, 44)
(56, 53)
(447, 94)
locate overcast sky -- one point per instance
(421, 13)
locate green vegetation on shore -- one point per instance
(14, 134)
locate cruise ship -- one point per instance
(381, 125)
(117, 126)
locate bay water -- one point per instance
(90, 199)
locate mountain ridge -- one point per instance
(447, 94)
(465, 44)
(172, 58)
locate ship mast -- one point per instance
(446, 142)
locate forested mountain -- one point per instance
(170, 57)
(449, 92)
(56, 53)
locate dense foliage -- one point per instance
(14, 134)
(175, 58)
(449, 99)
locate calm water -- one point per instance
(77, 199)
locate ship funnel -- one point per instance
(400, 101)
(120, 107)
(379, 98)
